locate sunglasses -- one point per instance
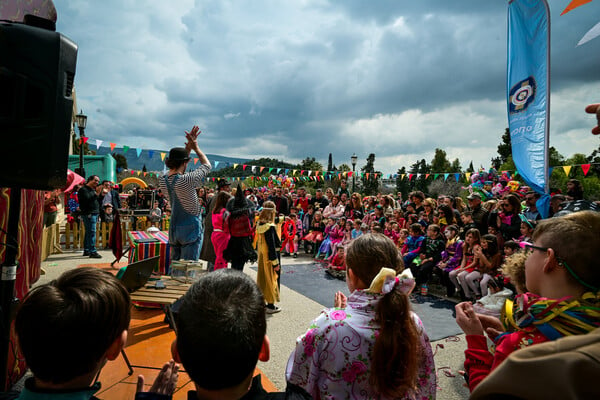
(530, 246)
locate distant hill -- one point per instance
(153, 162)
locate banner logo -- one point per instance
(522, 95)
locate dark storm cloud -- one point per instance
(290, 80)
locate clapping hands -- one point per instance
(594, 109)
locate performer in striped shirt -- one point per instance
(185, 230)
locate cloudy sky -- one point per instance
(291, 79)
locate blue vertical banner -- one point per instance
(528, 90)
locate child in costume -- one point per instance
(315, 234)
(413, 244)
(563, 279)
(390, 355)
(337, 266)
(268, 245)
(288, 233)
(220, 234)
(451, 258)
(468, 263)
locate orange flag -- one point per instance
(574, 4)
(112, 146)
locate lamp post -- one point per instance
(353, 159)
(81, 119)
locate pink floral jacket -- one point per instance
(332, 359)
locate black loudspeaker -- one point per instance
(37, 69)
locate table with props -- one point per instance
(150, 244)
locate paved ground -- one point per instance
(285, 327)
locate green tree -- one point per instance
(504, 152)
(455, 166)
(121, 160)
(370, 184)
(440, 162)
(471, 169)
(402, 185)
(419, 182)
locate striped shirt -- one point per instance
(185, 188)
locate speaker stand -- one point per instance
(8, 301)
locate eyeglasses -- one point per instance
(529, 246)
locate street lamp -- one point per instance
(81, 119)
(353, 159)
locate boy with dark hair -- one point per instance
(468, 223)
(83, 317)
(221, 335)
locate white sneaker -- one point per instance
(272, 309)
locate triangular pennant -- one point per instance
(139, 173)
(418, 176)
(217, 163)
(293, 171)
(150, 153)
(435, 176)
(162, 156)
(286, 171)
(254, 169)
(85, 139)
(516, 173)
(125, 148)
(145, 173)
(271, 169)
(402, 177)
(196, 160)
(112, 146)
(98, 143)
(244, 167)
(262, 168)
(367, 175)
(468, 176)
(132, 172)
(235, 166)
(138, 152)
(585, 168)
(446, 177)
(427, 176)
(309, 172)
(567, 169)
(457, 176)
(410, 176)
(574, 4)
(301, 172)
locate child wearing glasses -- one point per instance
(563, 283)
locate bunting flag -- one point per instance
(367, 174)
(585, 168)
(457, 176)
(574, 4)
(528, 92)
(145, 173)
(244, 167)
(112, 146)
(217, 163)
(468, 176)
(435, 176)
(98, 143)
(162, 156)
(427, 176)
(591, 34)
(125, 149)
(195, 160)
(138, 152)
(85, 139)
(235, 166)
(446, 176)
(254, 169)
(262, 168)
(150, 153)
(567, 169)
(139, 173)
(410, 176)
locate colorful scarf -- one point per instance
(553, 318)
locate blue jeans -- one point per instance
(89, 240)
(186, 241)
